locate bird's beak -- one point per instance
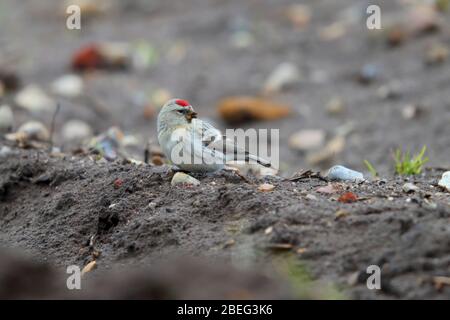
(191, 115)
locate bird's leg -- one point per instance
(238, 173)
(171, 170)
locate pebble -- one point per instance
(69, 85)
(32, 130)
(6, 119)
(5, 151)
(390, 91)
(266, 187)
(307, 139)
(35, 100)
(412, 111)
(284, 75)
(76, 130)
(299, 15)
(183, 178)
(445, 181)
(410, 187)
(342, 173)
(328, 189)
(341, 214)
(368, 74)
(335, 106)
(311, 197)
(437, 54)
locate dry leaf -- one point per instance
(281, 246)
(348, 197)
(440, 282)
(243, 108)
(89, 267)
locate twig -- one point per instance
(146, 153)
(52, 125)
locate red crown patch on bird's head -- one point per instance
(182, 103)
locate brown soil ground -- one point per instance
(213, 241)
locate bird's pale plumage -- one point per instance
(195, 145)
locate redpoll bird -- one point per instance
(194, 145)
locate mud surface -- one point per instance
(52, 206)
(67, 210)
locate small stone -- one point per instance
(342, 173)
(283, 76)
(35, 100)
(423, 19)
(5, 151)
(436, 54)
(333, 31)
(311, 197)
(335, 106)
(69, 85)
(396, 36)
(389, 92)
(368, 74)
(6, 119)
(118, 183)
(229, 243)
(341, 214)
(76, 130)
(305, 140)
(328, 189)
(32, 130)
(268, 230)
(445, 181)
(299, 15)
(410, 187)
(412, 111)
(266, 187)
(181, 178)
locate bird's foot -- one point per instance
(238, 173)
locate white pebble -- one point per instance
(342, 173)
(183, 178)
(445, 181)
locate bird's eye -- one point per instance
(180, 111)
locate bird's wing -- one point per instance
(195, 140)
(206, 132)
(213, 139)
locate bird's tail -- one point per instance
(250, 157)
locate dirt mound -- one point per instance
(68, 210)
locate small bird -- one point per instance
(194, 145)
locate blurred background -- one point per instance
(338, 92)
